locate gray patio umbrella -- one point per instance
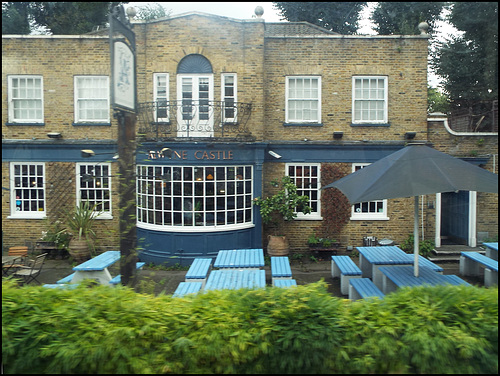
(414, 170)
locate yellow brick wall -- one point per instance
(230, 46)
(60, 191)
(337, 60)
(58, 60)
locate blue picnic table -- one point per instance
(240, 258)
(372, 258)
(96, 268)
(234, 279)
(402, 276)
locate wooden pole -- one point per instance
(127, 192)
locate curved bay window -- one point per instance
(192, 198)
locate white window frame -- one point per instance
(98, 180)
(195, 198)
(289, 100)
(157, 97)
(95, 96)
(36, 97)
(371, 96)
(225, 97)
(302, 188)
(356, 215)
(16, 183)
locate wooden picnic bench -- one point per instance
(492, 250)
(395, 277)
(186, 288)
(345, 268)
(280, 268)
(62, 286)
(470, 265)
(198, 271)
(285, 283)
(235, 279)
(118, 279)
(363, 288)
(240, 259)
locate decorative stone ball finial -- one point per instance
(131, 12)
(423, 27)
(259, 11)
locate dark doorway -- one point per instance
(454, 217)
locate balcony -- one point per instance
(162, 120)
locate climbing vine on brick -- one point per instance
(335, 208)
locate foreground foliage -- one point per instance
(298, 330)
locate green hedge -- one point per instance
(298, 330)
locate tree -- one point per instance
(468, 63)
(402, 18)
(152, 12)
(55, 17)
(437, 101)
(340, 17)
(15, 18)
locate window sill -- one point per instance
(26, 124)
(27, 216)
(91, 124)
(369, 218)
(370, 124)
(302, 124)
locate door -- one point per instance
(455, 217)
(195, 112)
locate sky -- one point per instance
(239, 10)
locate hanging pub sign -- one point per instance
(123, 82)
(123, 76)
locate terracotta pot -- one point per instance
(79, 250)
(277, 246)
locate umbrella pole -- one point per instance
(415, 238)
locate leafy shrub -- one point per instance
(425, 247)
(298, 330)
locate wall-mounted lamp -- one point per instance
(410, 135)
(274, 154)
(54, 135)
(87, 153)
(338, 135)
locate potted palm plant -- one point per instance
(80, 222)
(279, 208)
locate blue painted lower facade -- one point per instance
(170, 248)
(168, 245)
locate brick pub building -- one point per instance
(226, 105)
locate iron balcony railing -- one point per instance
(187, 118)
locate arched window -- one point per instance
(194, 63)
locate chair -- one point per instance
(20, 251)
(29, 273)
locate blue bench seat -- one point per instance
(60, 286)
(198, 271)
(186, 288)
(66, 279)
(470, 265)
(345, 268)
(118, 279)
(285, 283)
(280, 268)
(362, 288)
